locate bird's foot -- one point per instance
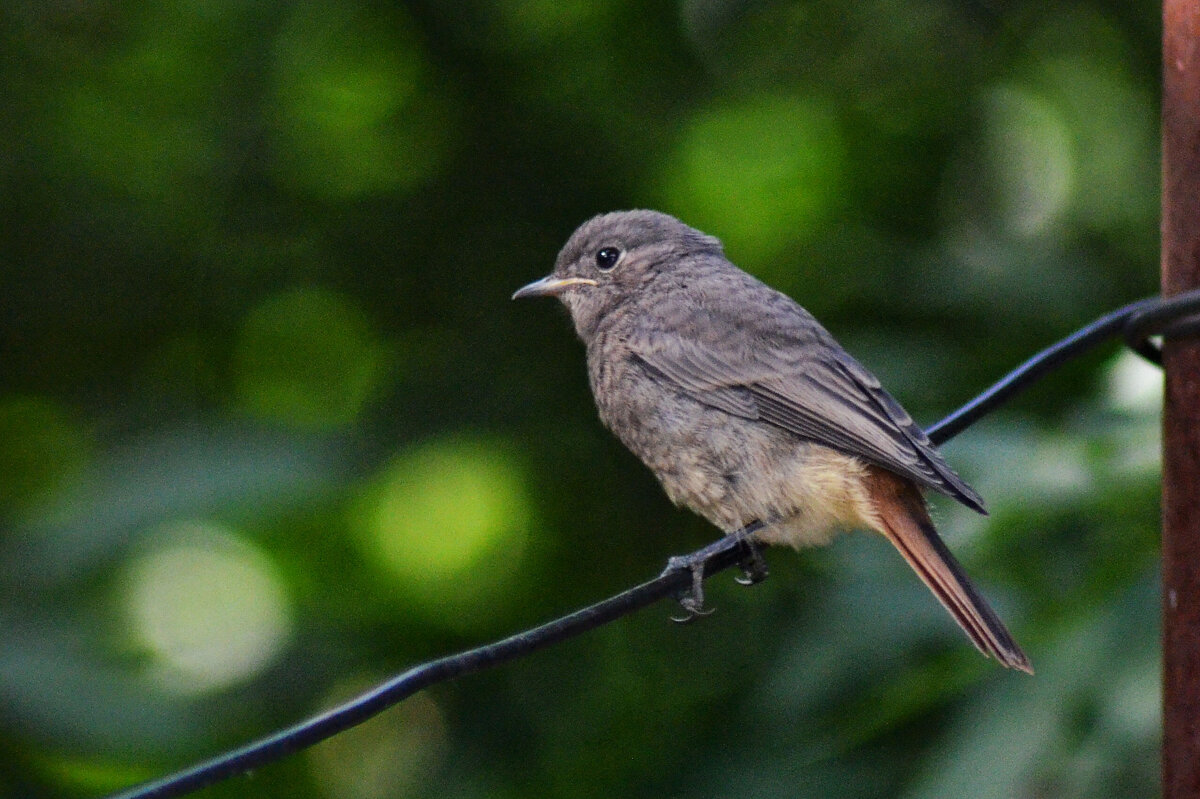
(753, 566)
(691, 600)
(754, 569)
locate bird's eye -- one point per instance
(607, 258)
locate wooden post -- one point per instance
(1181, 411)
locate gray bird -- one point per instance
(747, 410)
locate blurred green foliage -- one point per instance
(270, 429)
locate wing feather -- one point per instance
(795, 376)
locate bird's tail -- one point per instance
(906, 523)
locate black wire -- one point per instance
(1138, 322)
(1031, 370)
(1175, 317)
(716, 557)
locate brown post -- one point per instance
(1181, 411)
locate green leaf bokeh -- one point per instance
(270, 429)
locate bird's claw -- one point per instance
(692, 611)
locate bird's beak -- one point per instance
(550, 286)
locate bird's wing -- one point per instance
(798, 378)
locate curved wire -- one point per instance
(1175, 317)
(716, 557)
(1049, 359)
(1137, 321)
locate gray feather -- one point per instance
(784, 369)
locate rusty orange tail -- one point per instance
(906, 523)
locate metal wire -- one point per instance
(1138, 322)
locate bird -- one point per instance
(748, 411)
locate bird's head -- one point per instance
(613, 258)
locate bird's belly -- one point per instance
(733, 471)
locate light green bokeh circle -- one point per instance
(448, 523)
(760, 172)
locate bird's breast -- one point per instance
(730, 469)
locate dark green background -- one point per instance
(271, 430)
